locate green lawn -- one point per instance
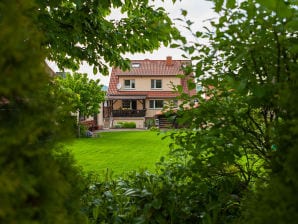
(120, 151)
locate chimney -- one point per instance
(169, 61)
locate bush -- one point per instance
(143, 197)
(129, 125)
(125, 125)
(117, 126)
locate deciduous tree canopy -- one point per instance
(39, 182)
(84, 95)
(77, 30)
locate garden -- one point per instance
(119, 152)
(235, 160)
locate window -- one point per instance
(156, 104)
(129, 104)
(129, 84)
(135, 65)
(156, 84)
(126, 104)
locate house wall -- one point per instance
(100, 121)
(144, 83)
(118, 104)
(153, 112)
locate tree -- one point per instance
(77, 31)
(247, 70)
(236, 160)
(85, 95)
(39, 181)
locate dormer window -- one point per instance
(135, 65)
(129, 84)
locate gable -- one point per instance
(149, 69)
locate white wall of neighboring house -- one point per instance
(100, 121)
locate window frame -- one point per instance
(132, 84)
(126, 102)
(155, 104)
(154, 83)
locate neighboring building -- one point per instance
(140, 93)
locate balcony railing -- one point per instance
(129, 113)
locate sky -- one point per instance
(199, 12)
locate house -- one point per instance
(139, 94)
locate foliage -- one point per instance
(276, 198)
(84, 94)
(157, 198)
(77, 31)
(129, 125)
(125, 125)
(154, 128)
(236, 159)
(238, 130)
(39, 182)
(83, 130)
(137, 198)
(149, 123)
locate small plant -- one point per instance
(129, 125)
(118, 125)
(149, 123)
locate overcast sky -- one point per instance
(199, 11)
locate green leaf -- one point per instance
(231, 4)
(218, 5)
(280, 7)
(174, 45)
(95, 70)
(191, 85)
(95, 213)
(198, 34)
(156, 203)
(183, 12)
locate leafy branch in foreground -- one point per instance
(77, 31)
(39, 182)
(245, 69)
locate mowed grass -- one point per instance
(120, 151)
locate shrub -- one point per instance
(125, 125)
(129, 125)
(118, 125)
(144, 197)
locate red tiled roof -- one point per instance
(153, 68)
(148, 67)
